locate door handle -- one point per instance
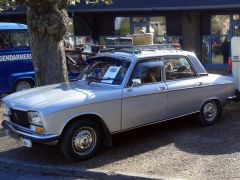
(161, 88)
(198, 84)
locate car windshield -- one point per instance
(105, 70)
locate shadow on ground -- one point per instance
(2, 133)
(184, 133)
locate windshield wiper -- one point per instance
(95, 79)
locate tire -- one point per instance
(210, 113)
(23, 85)
(79, 134)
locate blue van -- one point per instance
(16, 68)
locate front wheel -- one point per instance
(81, 140)
(23, 85)
(210, 113)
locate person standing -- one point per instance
(225, 50)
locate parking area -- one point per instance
(177, 149)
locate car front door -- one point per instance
(185, 92)
(144, 102)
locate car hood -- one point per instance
(61, 96)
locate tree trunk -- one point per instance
(47, 25)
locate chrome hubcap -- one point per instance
(210, 111)
(84, 141)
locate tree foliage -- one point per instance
(6, 4)
(47, 24)
(11, 4)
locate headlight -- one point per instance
(35, 118)
(5, 109)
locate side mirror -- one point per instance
(136, 82)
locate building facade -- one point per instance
(202, 26)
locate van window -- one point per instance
(10, 40)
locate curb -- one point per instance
(67, 171)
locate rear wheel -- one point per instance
(23, 85)
(210, 113)
(81, 140)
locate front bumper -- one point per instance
(18, 132)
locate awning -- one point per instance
(155, 5)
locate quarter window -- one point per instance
(148, 71)
(178, 68)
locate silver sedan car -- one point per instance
(116, 92)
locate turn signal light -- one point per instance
(230, 64)
(39, 130)
(36, 129)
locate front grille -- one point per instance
(20, 118)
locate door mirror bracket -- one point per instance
(136, 83)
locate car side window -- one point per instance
(178, 68)
(148, 71)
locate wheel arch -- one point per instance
(16, 77)
(217, 100)
(29, 79)
(93, 117)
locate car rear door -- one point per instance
(185, 92)
(147, 102)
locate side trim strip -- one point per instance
(116, 132)
(202, 86)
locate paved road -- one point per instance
(176, 149)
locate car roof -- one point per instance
(163, 52)
(144, 54)
(157, 46)
(12, 26)
(139, 54)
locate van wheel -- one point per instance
(23, 85)
(210, 113)
(81, 140)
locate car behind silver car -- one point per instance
(116, 92)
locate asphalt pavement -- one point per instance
(179, 149)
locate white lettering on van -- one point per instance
(15, 57)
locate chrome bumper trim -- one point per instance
(231, 98)
(28, 134)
